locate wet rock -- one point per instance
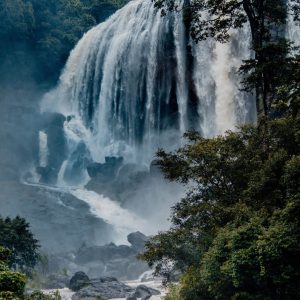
(53, 126)
(145, 292)
(104, 288)
(107, 170)
(80, 158)
(131, 298)
(79, 281)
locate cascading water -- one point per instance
(123, 221)
(43, 149)
(293, 32)
(137, 82)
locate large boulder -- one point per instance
(104, 288)
(143, 292)
(137, 240)
(79, 281)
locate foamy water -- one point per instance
(123, 221)
(66, 294)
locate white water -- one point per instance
(130, 81)
(293, 30)
(225, 106)
(67, 294)
(123, 221)
(43, 149)
(60, 177)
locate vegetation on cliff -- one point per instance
(37, 35)
(235, 234)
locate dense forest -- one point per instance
(37, 36)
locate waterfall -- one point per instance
(43, 149)
(137, 82)
(293, 32)
(225, 112)
(60, 177)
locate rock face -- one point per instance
(107, 170)
(110, 288)
(53, 126)
(57, 219)
(103, 253)
(116, 180)
(104, 288)
(112, 260)
(109, 260)
(78, 281)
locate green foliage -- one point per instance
(17, 19)
(173, 293)
(37, 35)
(8, 296)
(12, 282)
(215, 18)
(236, 233)
(15, 235)
(38, 295)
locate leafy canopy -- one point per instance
(16, 236)
(235, 234)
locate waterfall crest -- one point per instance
(137, 82)
(293, 32)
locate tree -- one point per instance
(15, 235)
(267, 18)
(32, 31)
(12, 284)
(235, 235)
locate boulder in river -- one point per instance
(104, 288)
(78, 281)
(145, 292)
